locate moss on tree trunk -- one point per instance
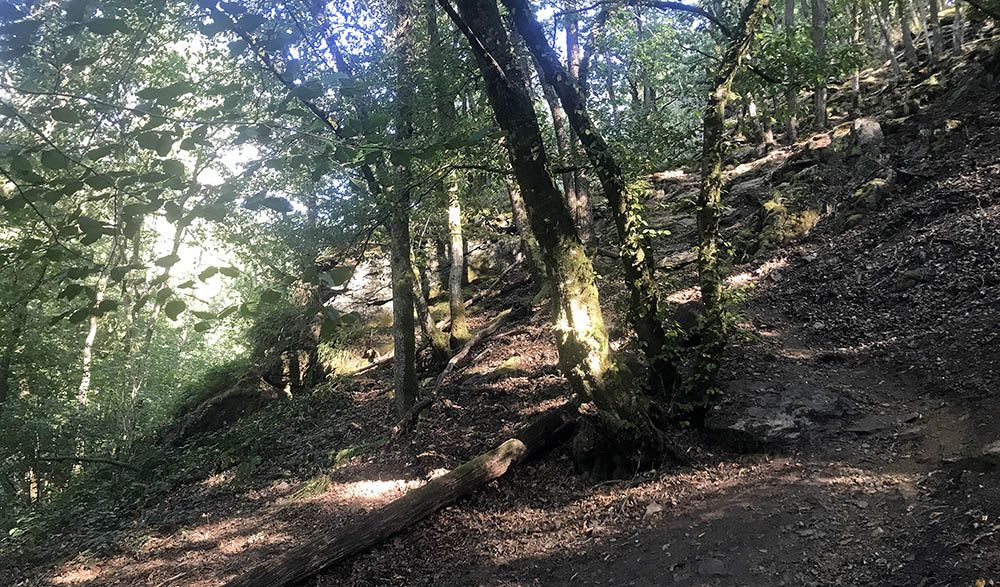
(710, 277)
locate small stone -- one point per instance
(911, 433)
(867, 425)
(986, 459)
(867, 136)
(712, 567)
(652, 509)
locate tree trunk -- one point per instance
(529, 244)
(937, 42)
(872, 41)
(905, 20)
(819, 23)
(13, 340)
(403, 336)
(883, 23)
(609, 84)
(713, 331)
(459, 327)
(562, 135)
(792, 93)
(581, 339)
(330, 547)
(87, 353)
(580, 204)
(433, 334)
(647, 96)
(856, 72)
(447, 116)
(957, 29)
(624, 204)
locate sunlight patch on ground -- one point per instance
(372, 491)
(753, 277)
(75, 577)
(858, 480)
(743, 169)
(541, 407)
(240, 544)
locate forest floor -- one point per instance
(877, 336)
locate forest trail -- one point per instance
(866, 356)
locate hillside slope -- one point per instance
(862, 391)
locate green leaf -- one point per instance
(208, 273)
(56, 319)
(186, 285)
(204, 315)
(308, 91)
(164, 145)
(100, 152)
(9, 12)
(173, 166)
(72, 187)
(90, 239)
(173, 211)
(229, 271)
(228, 312)
(70, 56)
(78, 272)
(64, 114)
(250, 22)
(24, 28)
(213, 212)
(400, 157)
(90, 226)
(202, 326)
(148, 140)
(134, 209)
(331, 323)
(119, 273)
(237, 47)
(54, 159)
(277, 204)
(107, 306)
(174, 308)
(107, 26)
(270, 296)
(72, 290)
(100, 181)
(337, 276)
(13, 203)
(79, 316)
(167, 261)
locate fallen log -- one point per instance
(330, 547)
